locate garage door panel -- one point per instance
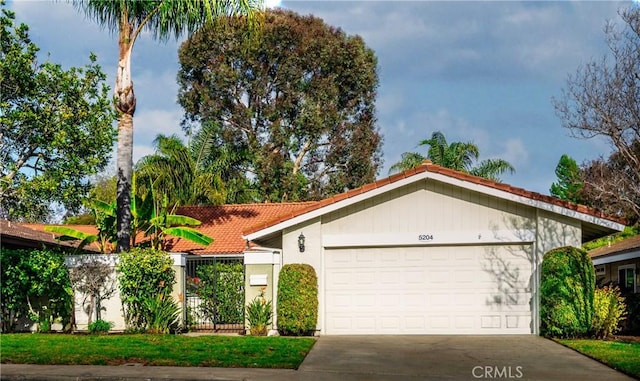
(426, 290)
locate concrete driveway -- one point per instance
(449, 358)
(372, 358)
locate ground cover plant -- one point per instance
(164, 350)
(617, 355)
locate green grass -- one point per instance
(624, 357)
(168, 350)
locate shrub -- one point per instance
(143, 274)
(259, 313)
(221, 288)
(100, 326)
(34, 284)
(609, 309)
(566, 293)
(297, 300)
(161, 314)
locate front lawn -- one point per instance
(168, 350)
(617, 355)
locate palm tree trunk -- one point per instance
(125, 103)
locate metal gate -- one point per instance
(215, 293)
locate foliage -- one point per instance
(629, 231)
(56, 127)
(566, 293)
(93, 279)
(221, 289)
(259, 313)
(457, 155)
(601, 99)
(162, 314)
(100, 326)
(143, 274)
(291, 116)
(163, 19)
(611, 187)
(609, 309)
(164, 350)
(297, 300)
(177, 171)
(34, 284)
(570, 184)
(615, 354)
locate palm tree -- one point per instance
(457, 155)
(177, 171)
(164, 19)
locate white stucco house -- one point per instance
(426, 251)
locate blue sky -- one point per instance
(477, 71)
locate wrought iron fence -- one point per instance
(215, 293)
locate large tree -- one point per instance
(56, 127)
(570, 184)
(603, 99)
(292, 114)
(163, 19)
(457, 155)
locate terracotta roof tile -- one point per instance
(225, 224)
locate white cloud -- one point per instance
(515, 153)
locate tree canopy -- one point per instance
(290, 116)
(56, 127)
(457, 155)
(603, 99)
(570, 185)
(162, 19)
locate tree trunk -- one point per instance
(125, 103)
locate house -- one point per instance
(618, 263)
(427, 251)
(15, 235)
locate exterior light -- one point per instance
(301, 242)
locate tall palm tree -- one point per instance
(457, 155)
(163, 19)
(178, 172)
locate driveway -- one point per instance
(372, 358)
(449, 358)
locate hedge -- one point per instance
(297, 300)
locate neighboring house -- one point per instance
(426, 251)
(15, 235)
(619, 263)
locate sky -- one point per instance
(477, 71)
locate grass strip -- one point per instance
(167, 350)
(621, 356)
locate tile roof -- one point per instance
(624, 246)
(427, 166)
(225, 223)
(29, 235)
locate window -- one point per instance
(627, 278)
(601, 270)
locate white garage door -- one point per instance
(428, 290)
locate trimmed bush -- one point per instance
(297, 300)
(143, 274)
(566, 293)
(100, 326)
(609, 310)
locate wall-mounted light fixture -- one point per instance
(301, 242)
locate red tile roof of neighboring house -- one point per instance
(225, 224)
(626, 245)
(427, 166)
(30, 235)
